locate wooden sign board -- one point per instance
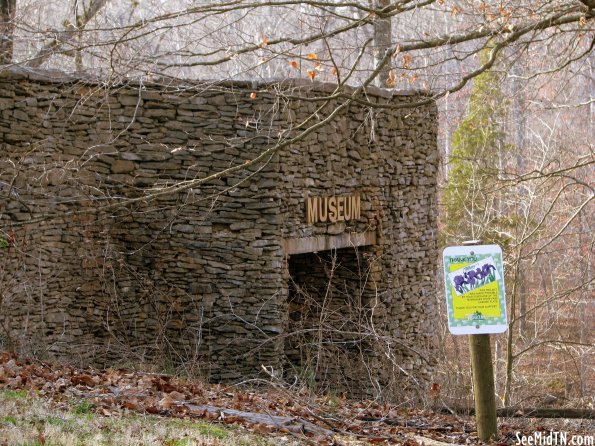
(474, 285)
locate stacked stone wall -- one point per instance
(200, 275)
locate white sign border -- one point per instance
(466, 251)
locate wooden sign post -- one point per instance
(476, 304)
(483, 386)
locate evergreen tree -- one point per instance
(473, 208)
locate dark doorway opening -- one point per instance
(329, 341)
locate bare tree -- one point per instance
(7, 13)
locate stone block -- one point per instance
(122, 166)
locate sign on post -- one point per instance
(474, 281)
(476, 304)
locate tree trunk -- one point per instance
(7, 12)
(382, 43)
(519, 129)
(509, 352)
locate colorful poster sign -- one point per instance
(474, 285)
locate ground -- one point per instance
(58, 405)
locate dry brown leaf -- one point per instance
(505, 12)
(175, 395)
(311, 74)
(180, 410)
(407, 59)
(14, 383)
(166, 402)
(152, 410)
(145, 382)
(132, 404)
(85, 91)
(312, 56)
(253, 95)
(261, 428)
(87, 380)
(231, 420)
(293, 64)
(11, 368)
(392, 79)
(163, 384)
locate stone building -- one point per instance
(316, 263)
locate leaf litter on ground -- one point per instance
(271, 411)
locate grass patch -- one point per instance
(180, 442)
(15, 394)
(83, 408)
(206, 429)
(26, 419)
(212, 430)
(8, 419)
(37, 443)
(51, 420)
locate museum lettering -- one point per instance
(333, 209)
